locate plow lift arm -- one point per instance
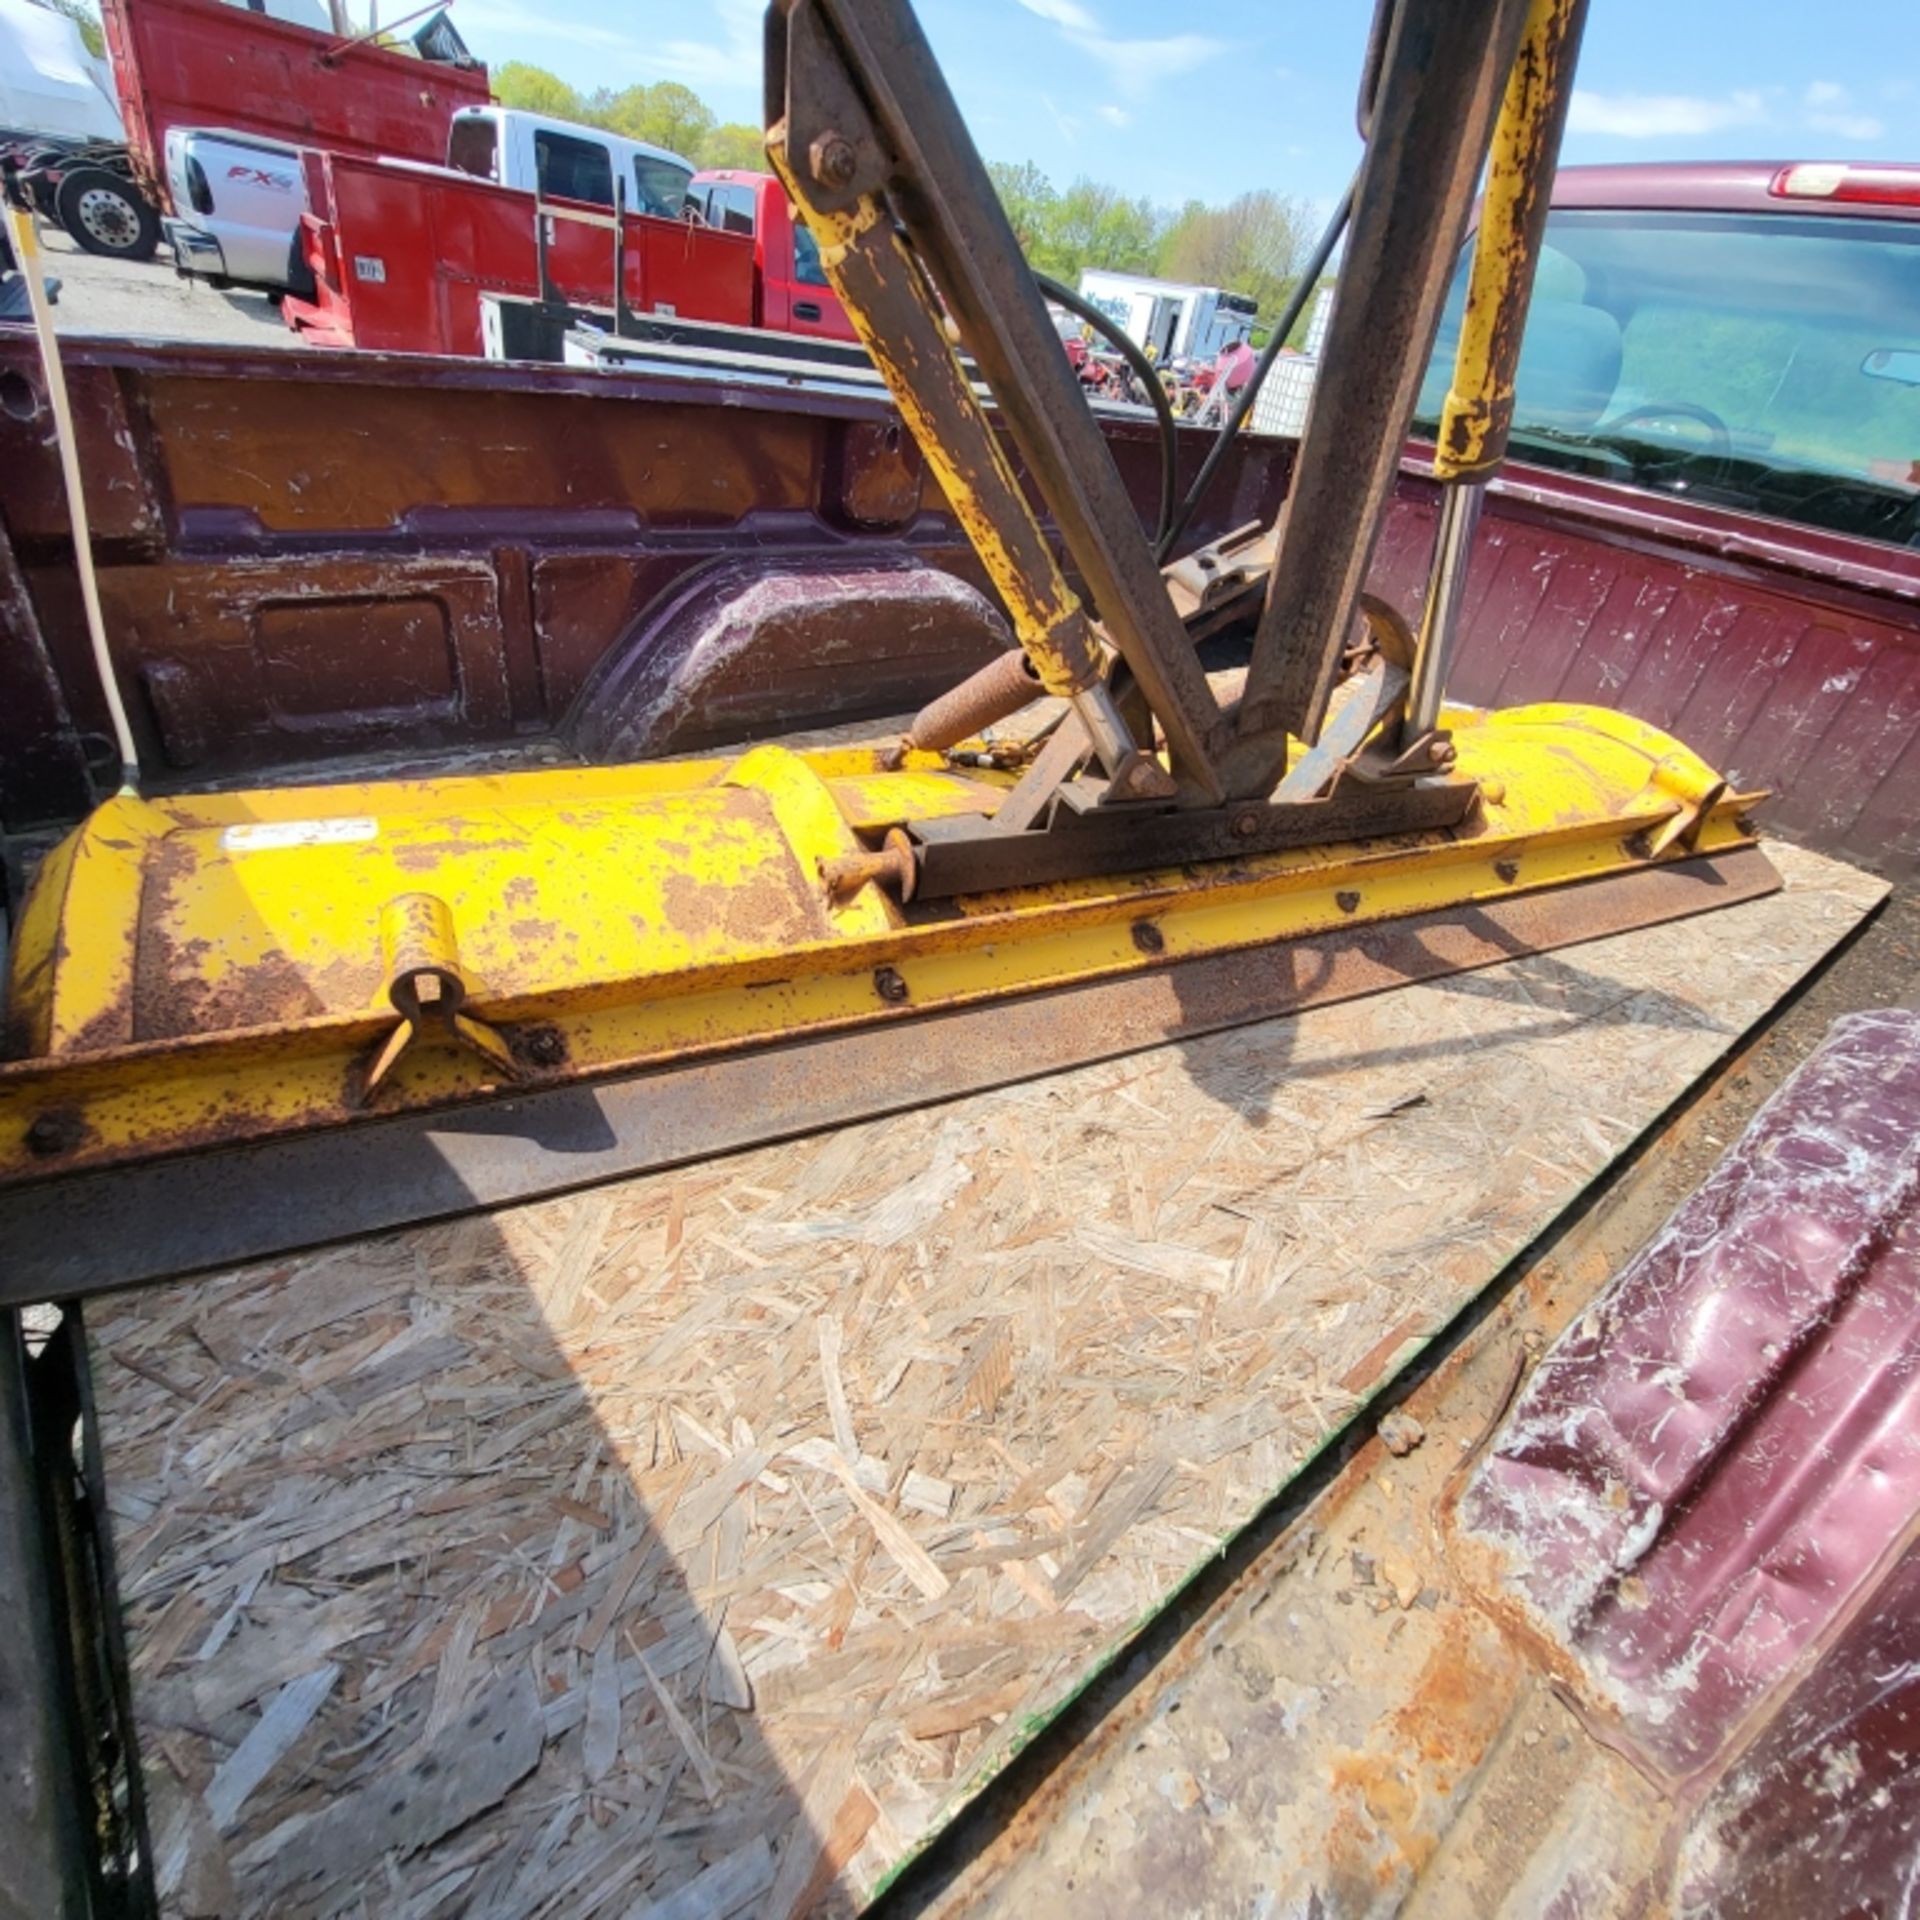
(241, 1023)
(870, 145)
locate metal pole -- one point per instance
(42, 1865)
(27, 248)
(1440, 617)
(1478, 410)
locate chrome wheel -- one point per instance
(105, 214)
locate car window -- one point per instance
(473, 147)
(806, 258)
(566, 168)
(731, 209)
(1754, 361)
(660, 187)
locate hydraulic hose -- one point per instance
(1143, 370)
(1289, 319)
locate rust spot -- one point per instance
(1148, 938)
(1508, 870)
(1347, 900)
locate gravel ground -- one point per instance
(150, 299)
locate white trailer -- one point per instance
(49, 83)
(1170, 319)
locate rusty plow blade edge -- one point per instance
(123, 1225)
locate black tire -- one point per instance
(107, 215)
(299, 274)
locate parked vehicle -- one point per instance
(790, 289)
(241, 197)
(270, 82)
(562, 160)
(1171, 319)
(247, 195)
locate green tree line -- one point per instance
(1255, 244)
(665, 114)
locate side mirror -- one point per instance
(1893, 363)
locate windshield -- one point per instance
(660, 186)
(1747, 361)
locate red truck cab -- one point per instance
(790, 289)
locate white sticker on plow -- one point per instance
(261, 836)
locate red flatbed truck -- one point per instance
(400, 257)
(412, 261)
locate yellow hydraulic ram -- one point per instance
(1477, 414)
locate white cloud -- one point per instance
(504, 16)
(1115, 116)
(1830, 110)
(1662, 116)
(1848, 126)
(1064, 13)
(724, 66)
(1133, 66)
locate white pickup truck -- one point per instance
(240, 196)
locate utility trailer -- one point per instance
(715, 1536)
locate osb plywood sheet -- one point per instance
(688, 1546)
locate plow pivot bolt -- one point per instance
(833, 160)
(1148, 938)
(1347, 901)
(1442, 754)
(546, 1047)
(1246, 825)
(54, 1133)
(889, 986)
(1508, 870)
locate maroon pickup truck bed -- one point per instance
(283, 594)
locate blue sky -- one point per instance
(1207, 101)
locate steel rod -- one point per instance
(1440, 617)
(27, 247)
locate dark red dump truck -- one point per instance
(181, 64)
(1584, 1588)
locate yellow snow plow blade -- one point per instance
(253, 1021)
(218, 970)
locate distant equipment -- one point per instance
(1171, 319)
